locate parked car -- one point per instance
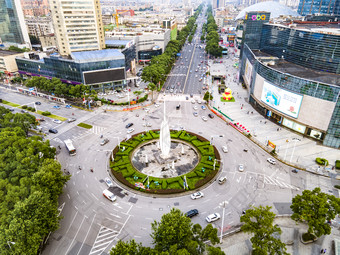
(68, 106)
(129, 125)
(211, 116)
(241, 167)
(271, 161)
(57, 121)
(295, 171)
(195, 108)
(105, 141)
(191, 213)
(52, 130)
(24, 111)
(56, 107)
(197, 195)
(108, 182)
(222, 179)
(212, 217)
(71, 120)
(204, 118)
(195, 114)
(147, 124)
(178, 107)
(130, 130)
(203, 107)
(40, 119)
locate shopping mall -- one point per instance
(293, 77)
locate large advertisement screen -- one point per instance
(281, 100)
(101, 76)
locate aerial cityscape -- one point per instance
(169, 127)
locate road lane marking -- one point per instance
(75, 235)
(87, 234)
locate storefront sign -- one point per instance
(257, 17)
(293, 125)
(282, 100)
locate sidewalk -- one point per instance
(239, 243)
(300, 154)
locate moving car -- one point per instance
(212, 217)
(130, 130)
(109, 195)
(105, 141)
(147, 124)
(68, 106)
(295, 171)
(191, 213)
(271, 161)
(222, 179)
(129, 125)
(52, 130)
(38, 103)
(225, 149)
(71, 120)
(197, 195)
(57, 121)
(241, 167)
(56, 107)
(24, 111)
(108, 182)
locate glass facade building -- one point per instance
(12, 25)
(318, 6)
(302, 64)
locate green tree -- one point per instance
(259, 221)
(207, 96)
(315, 208)
(131, 248)
(152, 87)
(34, 39)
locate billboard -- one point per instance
(105, 75)
(247, 72)
(282, 100)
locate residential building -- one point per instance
(35, 8)
(13, 30)
(39, 26)
(7, 62)
(293, 77)
(216, 4)
(77, 25)
(48, 42)
(324, 7)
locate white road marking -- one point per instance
(93, 196)
(75, 235)
(87, 234)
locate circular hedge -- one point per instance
(124, 171)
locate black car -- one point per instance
(52, 130)
(38, 103)
(129, 125)
(178, 107)
(211, 116)
(191, 213)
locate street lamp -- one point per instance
(9, 244)
(215, 162)
(295, 140)
(223, 205)
(118, 141)
(211, 137)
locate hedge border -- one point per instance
(124, 171)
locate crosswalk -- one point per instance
(276, 182)
(97, 130)
(103, 240)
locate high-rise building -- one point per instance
(77, 25)
(35, 7)
(325, 7)
(12, 24)
(218, 4)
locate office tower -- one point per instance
(324, 7)
(218, 4)
(12, 24)
(77, 25)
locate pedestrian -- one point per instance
(321, 251)
(324, 250)
(277, 129)
(251, 112)
(265, 122)
(260, 121)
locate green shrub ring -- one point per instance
(124, 171)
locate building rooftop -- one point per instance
(97, 55)
(323, 27)
(274, 8)
(296, 70)
(4, 53)
(117, 42)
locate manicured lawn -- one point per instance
(83, 125)
(10, 104)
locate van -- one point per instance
(222, 179)
(109, 195)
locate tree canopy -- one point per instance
(315, 208)
(259, 221)
(30, 184)
(174, 234)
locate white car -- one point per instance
(146, 109)
(57, 121)
(195, 114)
(225, 149)
(108, 182)
(241, 167)
(192, 101)
(130, 130)
(148, 124)
(156, 105)
(213, 217)
(195, 108)
(197, 195)
(271, 161)
(204, 118)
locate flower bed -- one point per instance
(124, 171)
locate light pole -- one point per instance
(215, 162)
(9, 244)
(295, 140)
(211, 137)
(118, 141)
(287, 141)
(223, 204)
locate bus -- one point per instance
(69, 146)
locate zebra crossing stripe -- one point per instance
(104, 237)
